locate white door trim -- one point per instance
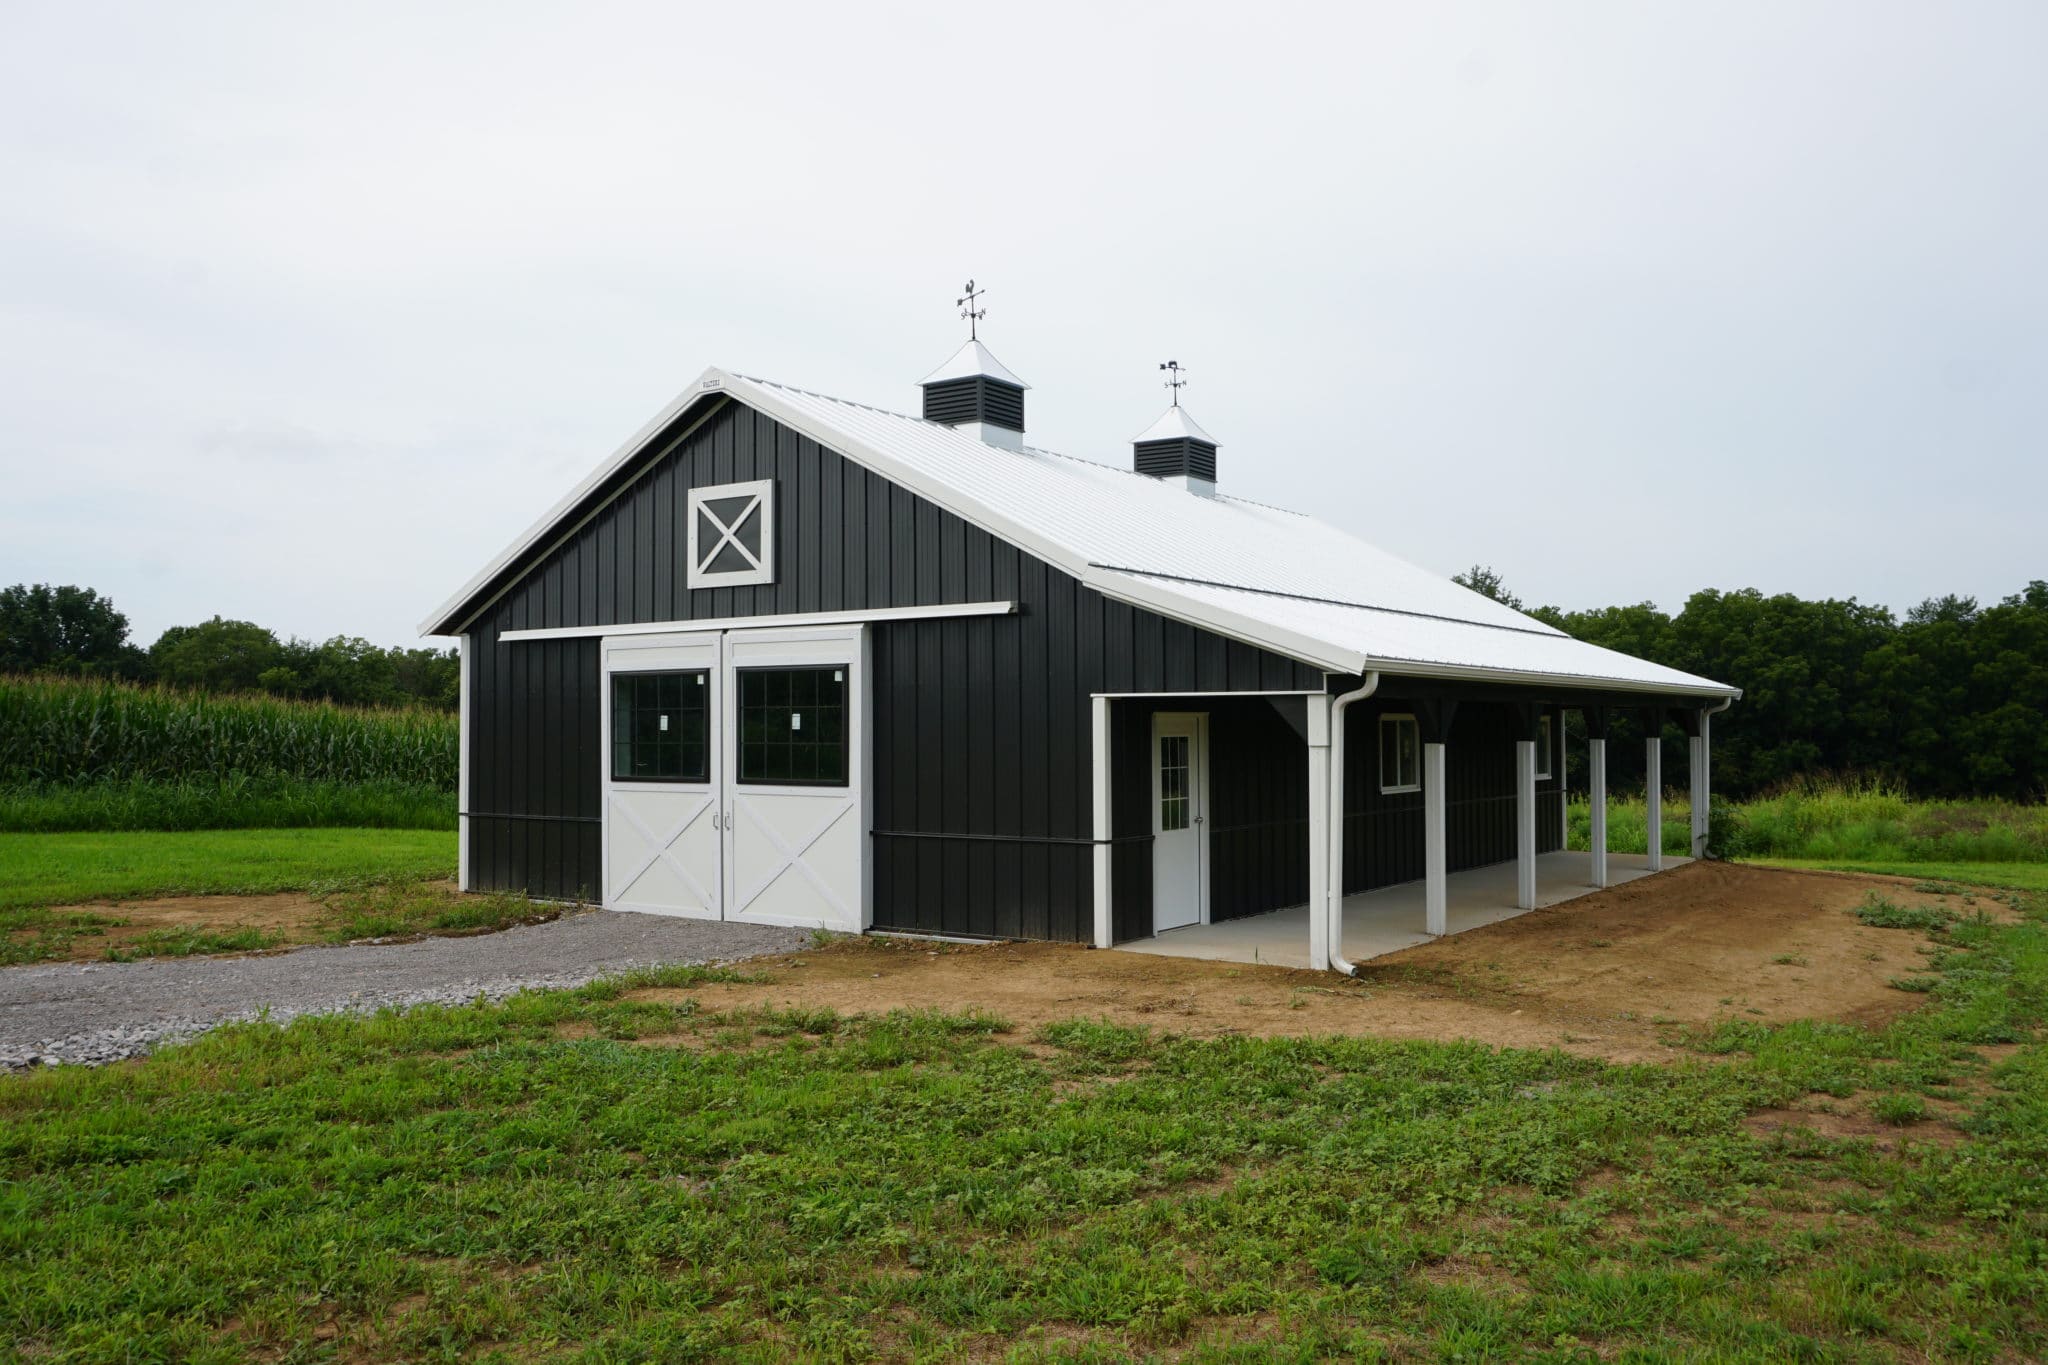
(852, 899)
(691, 650)
(1198, 793)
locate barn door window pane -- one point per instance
(793, 726)
(661, 725)
(1400, 754)
(1173, 783)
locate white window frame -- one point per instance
(1399, 717)
(763, 570)
(1546, 749)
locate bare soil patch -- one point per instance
(1612, 975)
(289, 917)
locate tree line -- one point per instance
(45, 629)
(1951, 700)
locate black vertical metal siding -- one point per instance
(981, 736)
(1383, 831)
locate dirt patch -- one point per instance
(1612, 975)
(1852, 1120)
(288, 918)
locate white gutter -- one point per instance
(1340, 725)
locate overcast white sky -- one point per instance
(306, 310)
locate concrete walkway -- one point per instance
(1390, 919)
(97, 1012)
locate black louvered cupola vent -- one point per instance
(976, 398)
(976, 392)
(1175, 448)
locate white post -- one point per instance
(1319, 826)
(1596, 804)
(1099, 794)
(465, 877)
(1525, 823)
(1700, 797)
(1436, 898)
(1653, 796)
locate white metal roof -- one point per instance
(1173, 424)
(1278, 579)
(971, 360)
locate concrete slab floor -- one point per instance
(1390, 919)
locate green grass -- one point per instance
(65, 869)
(236, 802)
(72, 730)
(1837, 824)
(401, 909)
(192, 943)
(523, 1182)
(2017, 876)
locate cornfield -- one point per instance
(56, 730)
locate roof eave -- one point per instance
(453, 615)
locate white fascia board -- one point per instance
(811, 618)
(1414, 668)
(712, 380)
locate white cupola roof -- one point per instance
(1174, 425)
(973, 361)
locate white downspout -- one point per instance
(1704, 799)
(1339, 727)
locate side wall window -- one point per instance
(660, 727)
(1545, 749)
(1400, 754)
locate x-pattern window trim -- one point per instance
(756, 499)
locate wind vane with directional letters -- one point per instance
(967, 309)
(1177, 381)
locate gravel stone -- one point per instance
(88, 1014)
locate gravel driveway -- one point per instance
(89, 1013)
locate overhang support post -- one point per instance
(1099, 790)
(1701, 791)
(1653, 783)
(1319, 832)
(1436, 898)
(1596, 791)
(1525, 824)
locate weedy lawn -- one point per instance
(600, 1175)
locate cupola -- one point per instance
(1175, 449)
(976, 393)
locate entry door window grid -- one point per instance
(661, 727)
(793, 729)
(1543, 750)
(1173, 783)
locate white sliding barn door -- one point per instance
(796, 762)
(663, 846)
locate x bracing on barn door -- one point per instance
(663, 846)
(796, 859)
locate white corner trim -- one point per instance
(465, 880)
(812, 618)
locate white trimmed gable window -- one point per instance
(1544, 749)
(732, 534)
(1400, 754)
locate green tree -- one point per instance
(1483, 580)
(218, 655)
(68, 629)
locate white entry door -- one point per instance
(796, 760)
(663, 838)
(1180, 799)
